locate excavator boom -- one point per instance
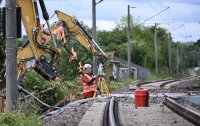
(75, 29)
(33, 53)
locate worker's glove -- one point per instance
(95, 76)
(98, 91)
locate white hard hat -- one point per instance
(87, 66)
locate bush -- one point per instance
(117, 85)
(18, 119)
(48, 91)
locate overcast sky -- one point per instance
(182, 19)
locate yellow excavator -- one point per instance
(32, 53)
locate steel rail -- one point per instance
(111, 113)
(180, 79)
(144, 83)
(188, 114)
(106, 115)
(112, 119)
(168, 81)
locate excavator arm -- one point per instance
(33, 53)
(73, 27)
(37, 46)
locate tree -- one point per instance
(2, 44)
(197, 43)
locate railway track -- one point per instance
(176, 80)
(102, 114)
(111, 113)
(114, 111)
(185, 112)
(165, 81)
(164, 84)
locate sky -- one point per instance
(182, 18)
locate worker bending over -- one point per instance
(88, 81)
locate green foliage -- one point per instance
(2, 47)
(18, 119)
(114, 86)
(143, 48)
(68, 70)
(2, 52)
(47, 91)
(197, 44)
(122, 23)
(36, 83)
(191, 55)
(117, 85)
(128, 81)
(198, 72)
(113, 41)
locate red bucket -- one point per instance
(141, 97)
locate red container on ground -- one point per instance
(141, 97)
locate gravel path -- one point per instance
(155, 115)
(193, 85)
(195, 107)
(72, 113)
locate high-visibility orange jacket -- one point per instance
(88, 83)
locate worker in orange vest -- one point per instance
(88, 81)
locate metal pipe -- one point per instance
(46, 17)
(21, 88)
(98, 47)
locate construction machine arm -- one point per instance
(37, 46)
(74, 28)
(34, 52)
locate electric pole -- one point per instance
(94, 34)
(129, 45)
(156, 55)
(198, 56)
(11, 56)
(155, 41)
(181, 58)
(169, 54)
(177, 59)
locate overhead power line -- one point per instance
(99, 2)
(156, 14)
(173, 28)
